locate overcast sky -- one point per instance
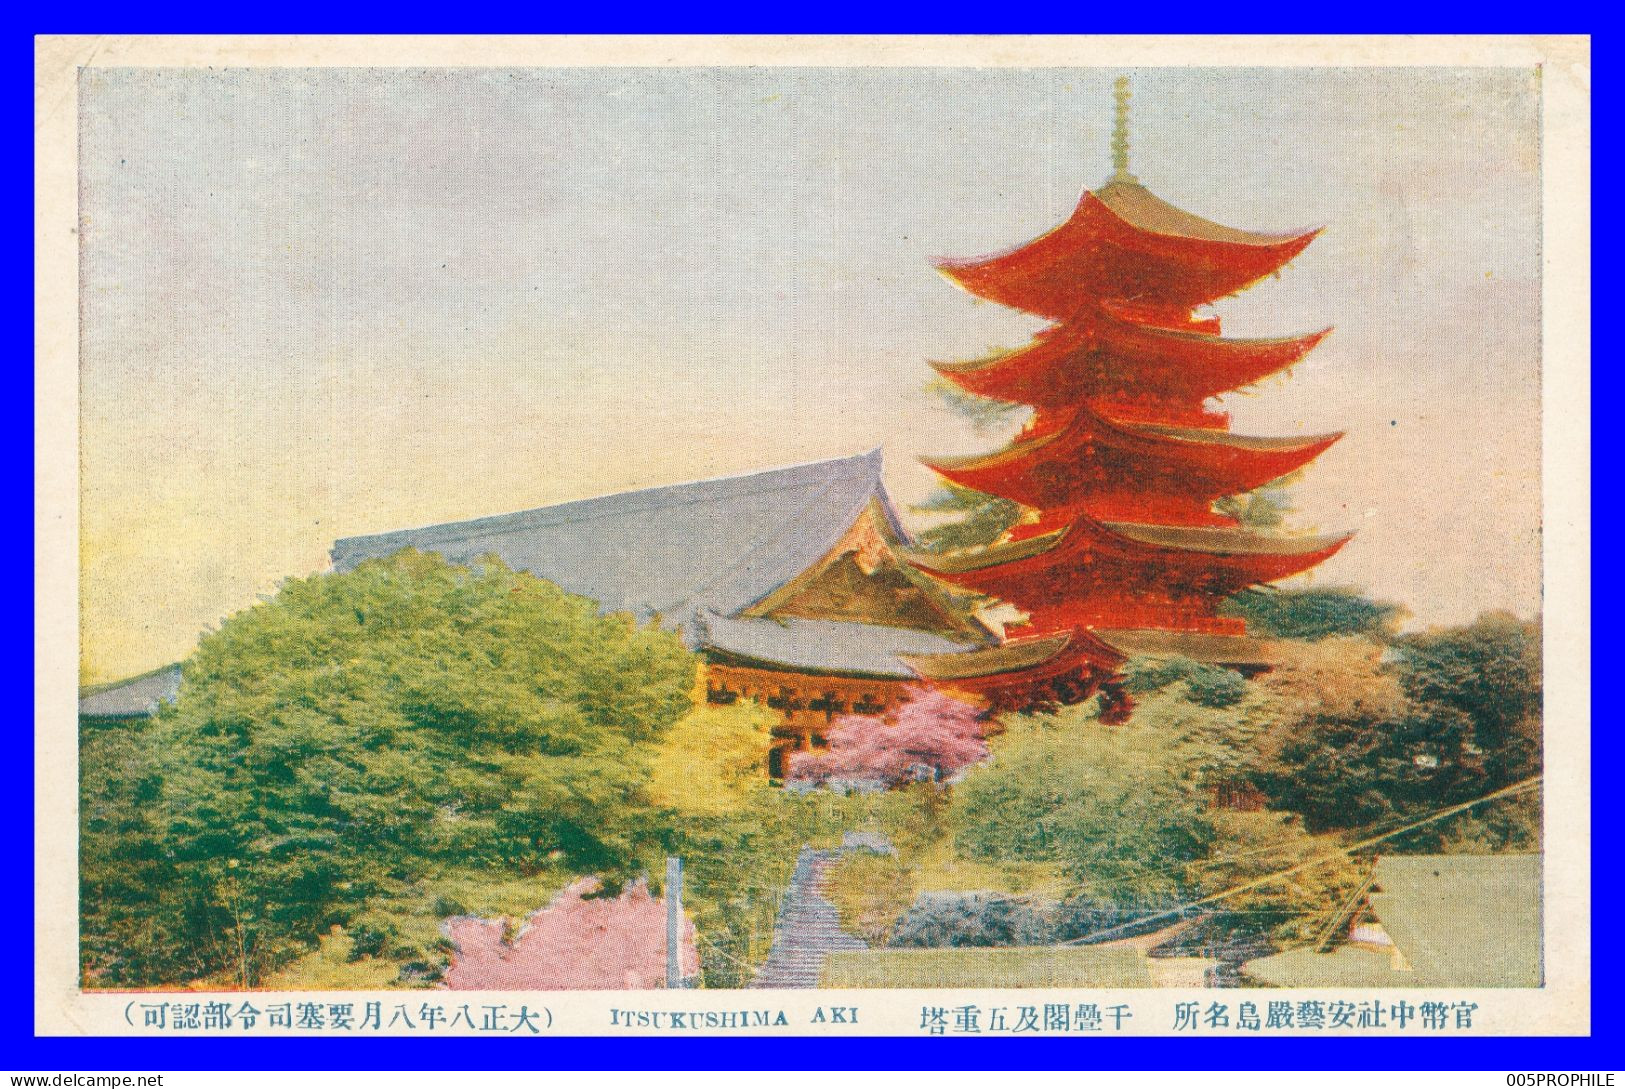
(319, 303)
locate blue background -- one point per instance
(20, 1050)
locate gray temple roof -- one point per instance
(827, 646)
(715, 545)
(135, 697)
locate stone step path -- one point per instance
(809, 928)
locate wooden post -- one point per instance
(674, 921)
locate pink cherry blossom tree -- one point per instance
(930, 737)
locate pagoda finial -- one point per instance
(1120, 133)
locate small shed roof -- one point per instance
(1198, 646)
(134, 697)
(715, 545)
(1463, 920)
(1459, 921)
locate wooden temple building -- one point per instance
(1122, 551)
(791, 583)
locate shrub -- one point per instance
(446, 906)
(1214, 687)
(1084, 917)
(969, 919)
(871, 891)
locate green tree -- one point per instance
(1453, 715)
(1261, 508)
(1208, 685)
(134, 911)
(1116, 817)
(714, 761)
(1354, 771)
(1490, 671)
(981, 520)
(1128, 816)
(338, 742)
(974, 518)
(1314, 613)
(982, 413)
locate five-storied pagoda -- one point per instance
(1121, 551)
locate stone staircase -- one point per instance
(808, 928)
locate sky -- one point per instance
(318, 303)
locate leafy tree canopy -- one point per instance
(334, 743)
(1444, 717)
(1108, 807)
(1208, 685)
(983, 413)
(982, 518)
(976, 518)
(1314, 613)
(1262, 508)
(1489, 670)
(871, 891)
(714, 761)
(1130, 816)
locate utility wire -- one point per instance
(1515, 788)
(712, 943)
(1343, 910)
(1060, 891)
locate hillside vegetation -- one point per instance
(365, 754)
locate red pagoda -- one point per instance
(1122, 551)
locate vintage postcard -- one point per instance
(940, 537)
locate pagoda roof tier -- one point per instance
(1123, 241)
(1020, 664)
(1224, 650)
(1091, 571)
(1224, 541)
(1109, 469)
(1087, 533)
(1108, 355)
(1009, 657)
